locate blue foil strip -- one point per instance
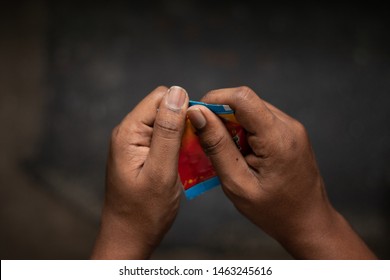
(216, 108)
(202, 187)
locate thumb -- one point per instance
(218, 145)
(168, 129)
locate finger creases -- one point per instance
(220, 148)
(250, 110)
(168, 129)
(145, 111)
(168, 124)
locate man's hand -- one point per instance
(278, 186)
(142, 185)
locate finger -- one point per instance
(250, 111)
(137, 127)
(167, 133)
(217, 143)
(145, 112)
(277, 112)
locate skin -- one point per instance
(277, 186)
(142, 186)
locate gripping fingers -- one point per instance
(220, 148)
(250, 111)
(167, 133)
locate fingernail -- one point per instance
(196, 117)
(176, 98)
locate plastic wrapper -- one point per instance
(195, 169)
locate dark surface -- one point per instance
(328, 68)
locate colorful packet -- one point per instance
(195, 169)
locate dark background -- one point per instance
(70, 71)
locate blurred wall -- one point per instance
(70, 72)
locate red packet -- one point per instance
(195, 169)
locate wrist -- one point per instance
(329, 236)
(118, 239)
(311, 234)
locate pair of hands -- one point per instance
(278, 186)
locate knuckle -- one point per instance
(161, 88)
(300, 130)
(209, 96)
(300, 134)
(213, 144)
(120, 132)
(167, 126)
(245, 93)
(116, 132)
(116, 141)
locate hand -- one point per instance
(142, 185)
(278, 186)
